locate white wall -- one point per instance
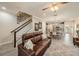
(44, 28)
(35, 20)
(8, 22)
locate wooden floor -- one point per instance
(62, 47)
(8, 50)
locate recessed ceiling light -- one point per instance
(3, 7)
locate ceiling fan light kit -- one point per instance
(54, 7)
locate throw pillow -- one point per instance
(28, 44)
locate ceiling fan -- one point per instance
(55, 6)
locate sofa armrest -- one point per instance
(47, 39)
(22, 51)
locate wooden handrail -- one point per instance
(22, 25)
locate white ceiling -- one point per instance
(35, 8)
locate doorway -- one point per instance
(68, 32)
(55, 29)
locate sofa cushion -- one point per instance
(27, 36)
(38, 33)
(36, 39)
(31, 35)
(41, 46)
(44, 42)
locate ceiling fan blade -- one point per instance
(59, 4)
(64, 2)
(45, 8)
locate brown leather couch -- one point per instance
(40, 44)
(76, 41)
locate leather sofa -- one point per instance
(40, 44)
(76, 41)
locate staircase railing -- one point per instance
(19, 28)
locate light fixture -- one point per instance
(4, 8)
(54, 9)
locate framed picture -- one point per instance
(40, 25)
(36, 26)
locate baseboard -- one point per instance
(3, 43)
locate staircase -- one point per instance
(19, 31)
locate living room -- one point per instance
(52, 27)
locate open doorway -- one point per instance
(68, 32)
(55, 29)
